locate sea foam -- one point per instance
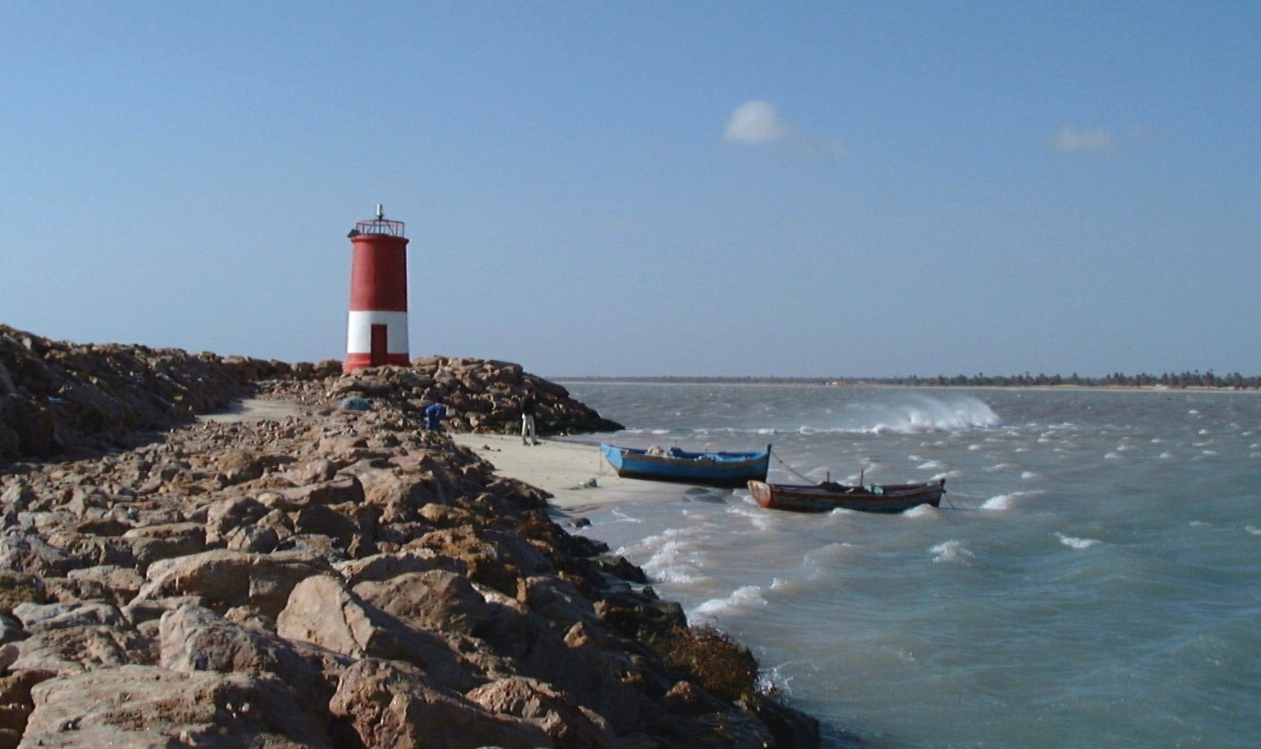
(951, 551)
(1005, 501)
(1077, 543)
(742, 597)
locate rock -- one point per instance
(331, 578)
(193, 638)
(19, 588)
(88, 550)
(557, 600)
(36, 618)
(568, 725)
(148, 706)
(436, 600)
(75, 649)
(355, 403)
(337, 491)
(637, 616)
(321, 520)
(395, 705)
(685, 698)
(541, 653)
(791, 728)
(125, 581)
(239, 466)
(32, 555)
(386, 566)
(11, 631)
(260, 539)
(167, 541)
(324, 612)
(16, 704)
(226, 515)
(58, 396)
(231, 578)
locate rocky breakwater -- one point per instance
(339, 579)
(481, 395)
(59, 398)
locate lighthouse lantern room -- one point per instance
(377, 327)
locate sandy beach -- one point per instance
(573, 471)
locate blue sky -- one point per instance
(646, 188)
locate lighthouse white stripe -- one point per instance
(359, 331)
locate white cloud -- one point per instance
(1069, 137)
(755, 122)
(758, 122)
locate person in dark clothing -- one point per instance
(528, 404)
(433, 417)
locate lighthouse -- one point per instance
(376, 333)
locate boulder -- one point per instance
(226, 515)
(38, 618)
(541, 653)
(76, 649)
(385, 566)
(557, 600)
(436, 600)
(322, 611)
(17, 588)
(239, 466)
(393, 704)
(228, 578)
(31, 554)
(193, 638)
(336, 491)
(123, 581)
(16, 704)
(147, 706)
(568, 725)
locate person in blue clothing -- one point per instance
(434, 415)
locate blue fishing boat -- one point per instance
(727, 469)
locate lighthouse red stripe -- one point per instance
(378, 273)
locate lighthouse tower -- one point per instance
(377, 329)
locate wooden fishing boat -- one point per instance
(725, 469)
(830, 495)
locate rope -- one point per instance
(790, 469)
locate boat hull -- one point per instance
(721, 469)
(891, 498)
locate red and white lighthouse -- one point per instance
(376, 333)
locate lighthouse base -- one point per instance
(359, 361)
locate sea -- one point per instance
(1092, 578)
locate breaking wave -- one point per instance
(920, 414)
(951, 551)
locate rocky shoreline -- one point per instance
(335, 578)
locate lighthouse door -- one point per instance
(379, 346)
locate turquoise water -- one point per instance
(1092, 580)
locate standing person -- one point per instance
(434, 415)
(527, 417)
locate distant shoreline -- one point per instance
(843, 383)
